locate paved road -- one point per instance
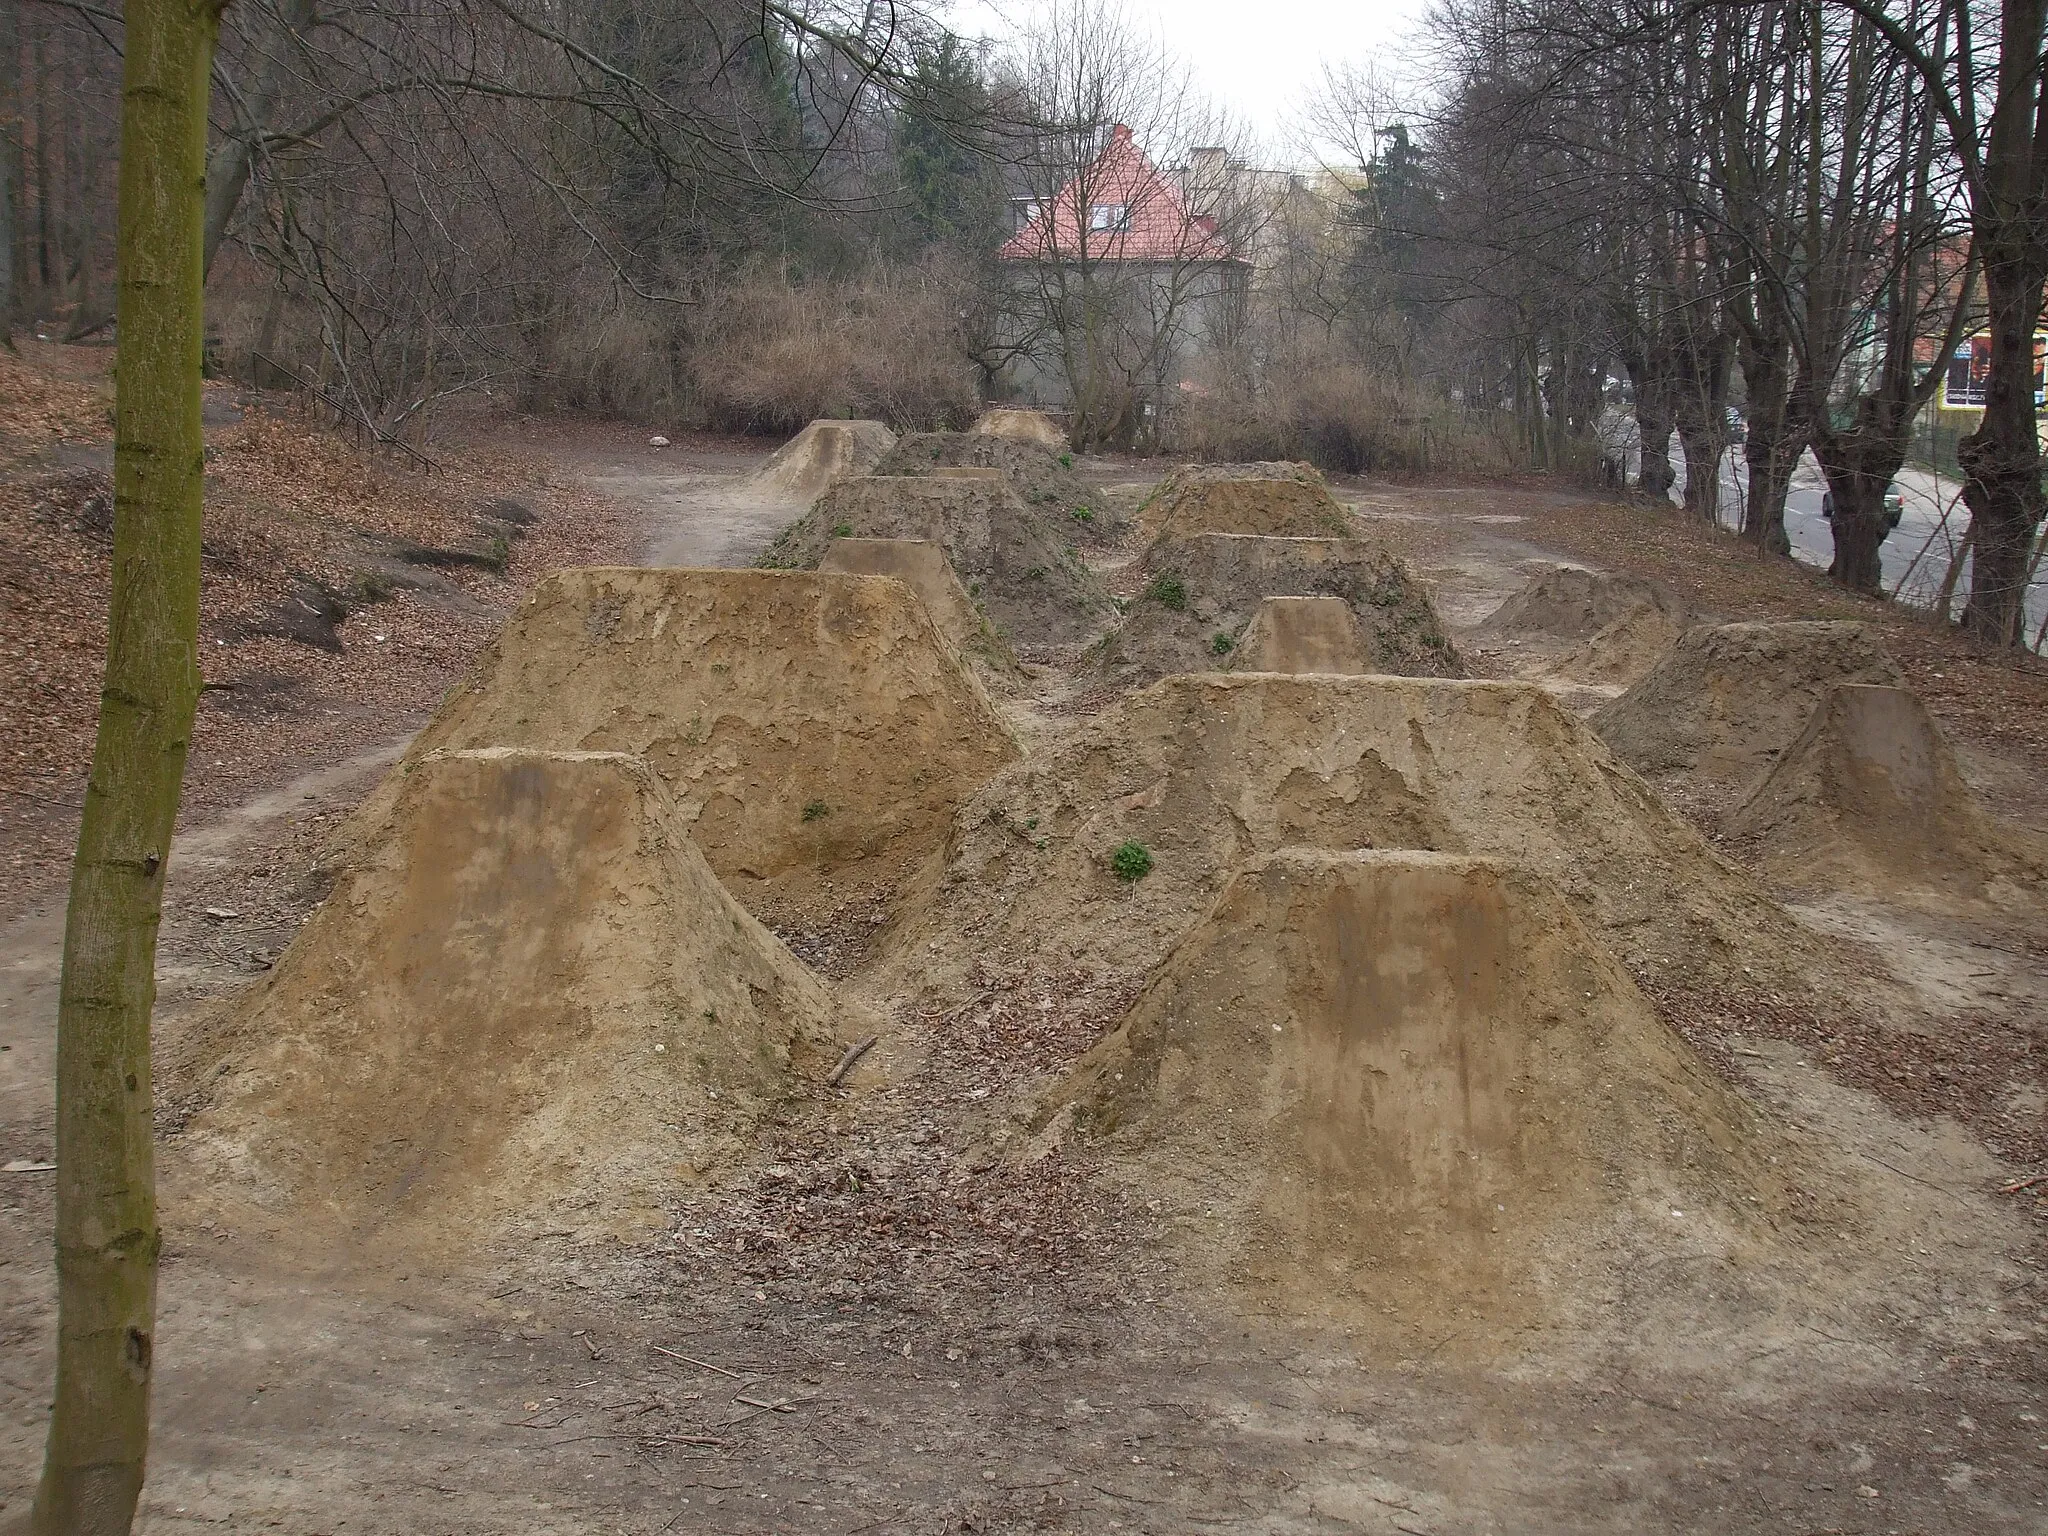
(1914, 558)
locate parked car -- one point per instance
(1894, 506)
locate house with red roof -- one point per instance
(1117, 281)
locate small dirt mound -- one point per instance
(1416, 1077)
(527, 998)
(922, 565)
(1726, 700)
(1201, 593)
(822, 455)
(1022, 427)
(1279, 500)
(1202, 772)
(1303, 634)
(1043, 477)
(1014, 559)
(817, 731)
(1589, 626)
(1870, 798)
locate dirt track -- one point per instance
(967, 1346)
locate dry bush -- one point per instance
(778, 354)
(1341, 418)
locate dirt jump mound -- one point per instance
(1304, 634)
(1022, 427)
(922, 566)
(1042, 476)
(1095, 855)
(1726, 701)
(1870, 798)
(527, 994)
(821, 455)
(1012, 557)
(817, 732)
(1590, 626)
(1279, 500)
(1412, 1075)
(1201, 594)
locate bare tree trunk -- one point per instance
(1772, 444)
(227, 171)
(10, 165)
(1654, 427)
(1704, 442)
(107, 1234)
(2001, 460)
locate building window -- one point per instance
(1109, 218)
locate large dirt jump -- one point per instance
(528, 1001)
(1022, 427)
(1041, 475)
(1013, 558)
(822, 455)
(1870, 799)
(1279, 499)
(817, 732)
(1202, 592)
(1304, 634)
(922, 565)
(1417, 1078)
(1725, 702)
(1206, 771)
(1590, 626)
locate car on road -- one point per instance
(1894, 506)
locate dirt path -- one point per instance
(944, 1347)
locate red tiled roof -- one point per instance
(1157, 224)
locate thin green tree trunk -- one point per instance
(107, 1236)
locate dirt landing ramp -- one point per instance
(1726, 700)
(1205, 771)
(1587, 626)
(922, 566)
(1043, 476)
(1012, 556)
(1201, 593)
(1303, 634)
(821, 455)
(817, 732)
(1869, 798)
(1022, 427)
(528, 1001)
(1416, 1078)
(1280, 500)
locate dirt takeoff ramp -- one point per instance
(922, 566)
(526, 994)
(1011, 555)
(822, 455)
(1590, 626)
(817, 732)
(1869, 798)
(1204, 771)
(1280, 500)
(1022, 427)
(1726, 700)
(1303, 634)
(1414, 1077)
(1201, 594)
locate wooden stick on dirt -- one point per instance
(701, 1364)
(853, 1054)
(2013, 1189)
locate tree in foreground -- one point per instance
(107, 1235)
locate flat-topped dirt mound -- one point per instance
(817, 732)
(528, 1001)
(1870, 799)
(1202, 772)
(1013, 558)
(1304, 634)
(1279, 500)
(1726, 701)
(1022, 427)
(1042, 476)
(1418, 1079)
(1202, 592)
(823, 454)
(923, 566)
(1589, 626)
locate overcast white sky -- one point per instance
(1257, 58)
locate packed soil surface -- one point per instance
(1277, 500)
(1041, 474)
(971, 1282)
(1595, 627)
